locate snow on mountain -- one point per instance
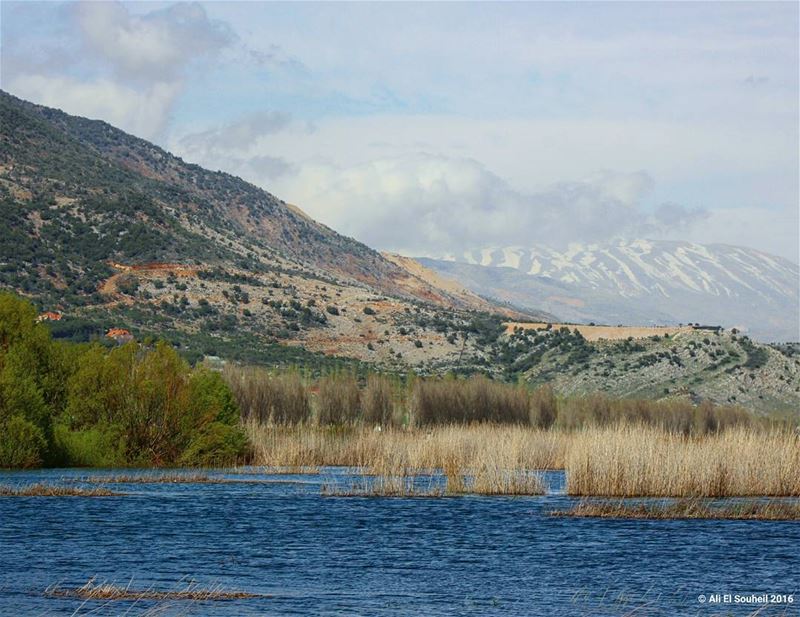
(646, 280)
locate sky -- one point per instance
(432, 128)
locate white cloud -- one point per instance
(155, 46)
(531, 153)
(444, 124)
(237, 136)
(110, 64)
(141, 111)
(428, 205)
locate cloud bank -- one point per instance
(108, 63)
(427, 128)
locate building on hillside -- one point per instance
(49, 316)
(716, 329)
(119, 335)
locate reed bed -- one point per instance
(618, 461)
(53, 490)
(266, 396)
(479, 459)
(170, 479)
(635, 461)
(397, 452)
(490, 479)
(687, 509)
(176, 478)
(111, 591)
(486, 480)
(379, 401)
(298, 470)
(396, 486)
(338, 400)
(477, 399)
(487, 436)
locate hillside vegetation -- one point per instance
(697, 365)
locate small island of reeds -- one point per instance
(770, 510)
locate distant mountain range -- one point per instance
(640, 282)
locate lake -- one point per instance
(315, 555)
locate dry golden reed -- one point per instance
(274, 471)
(161, 478)
(393, 486)
(631, 461)
(176, 478)
(623, 461)
(402, 452)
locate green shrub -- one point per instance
(99, 446)
(210, 399)
(22, 443)
(155, 403)
(217, 444)
(17, 319)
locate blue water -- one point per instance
(317, 555)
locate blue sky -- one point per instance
(432, 127)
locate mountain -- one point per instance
(640, 282)
(110, 231)
(119, 197)
(112, 238)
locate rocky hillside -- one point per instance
(106, 232)
(112, 231)
(686, 363)
(78, 193)
(641, 282)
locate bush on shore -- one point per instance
(70, 404)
